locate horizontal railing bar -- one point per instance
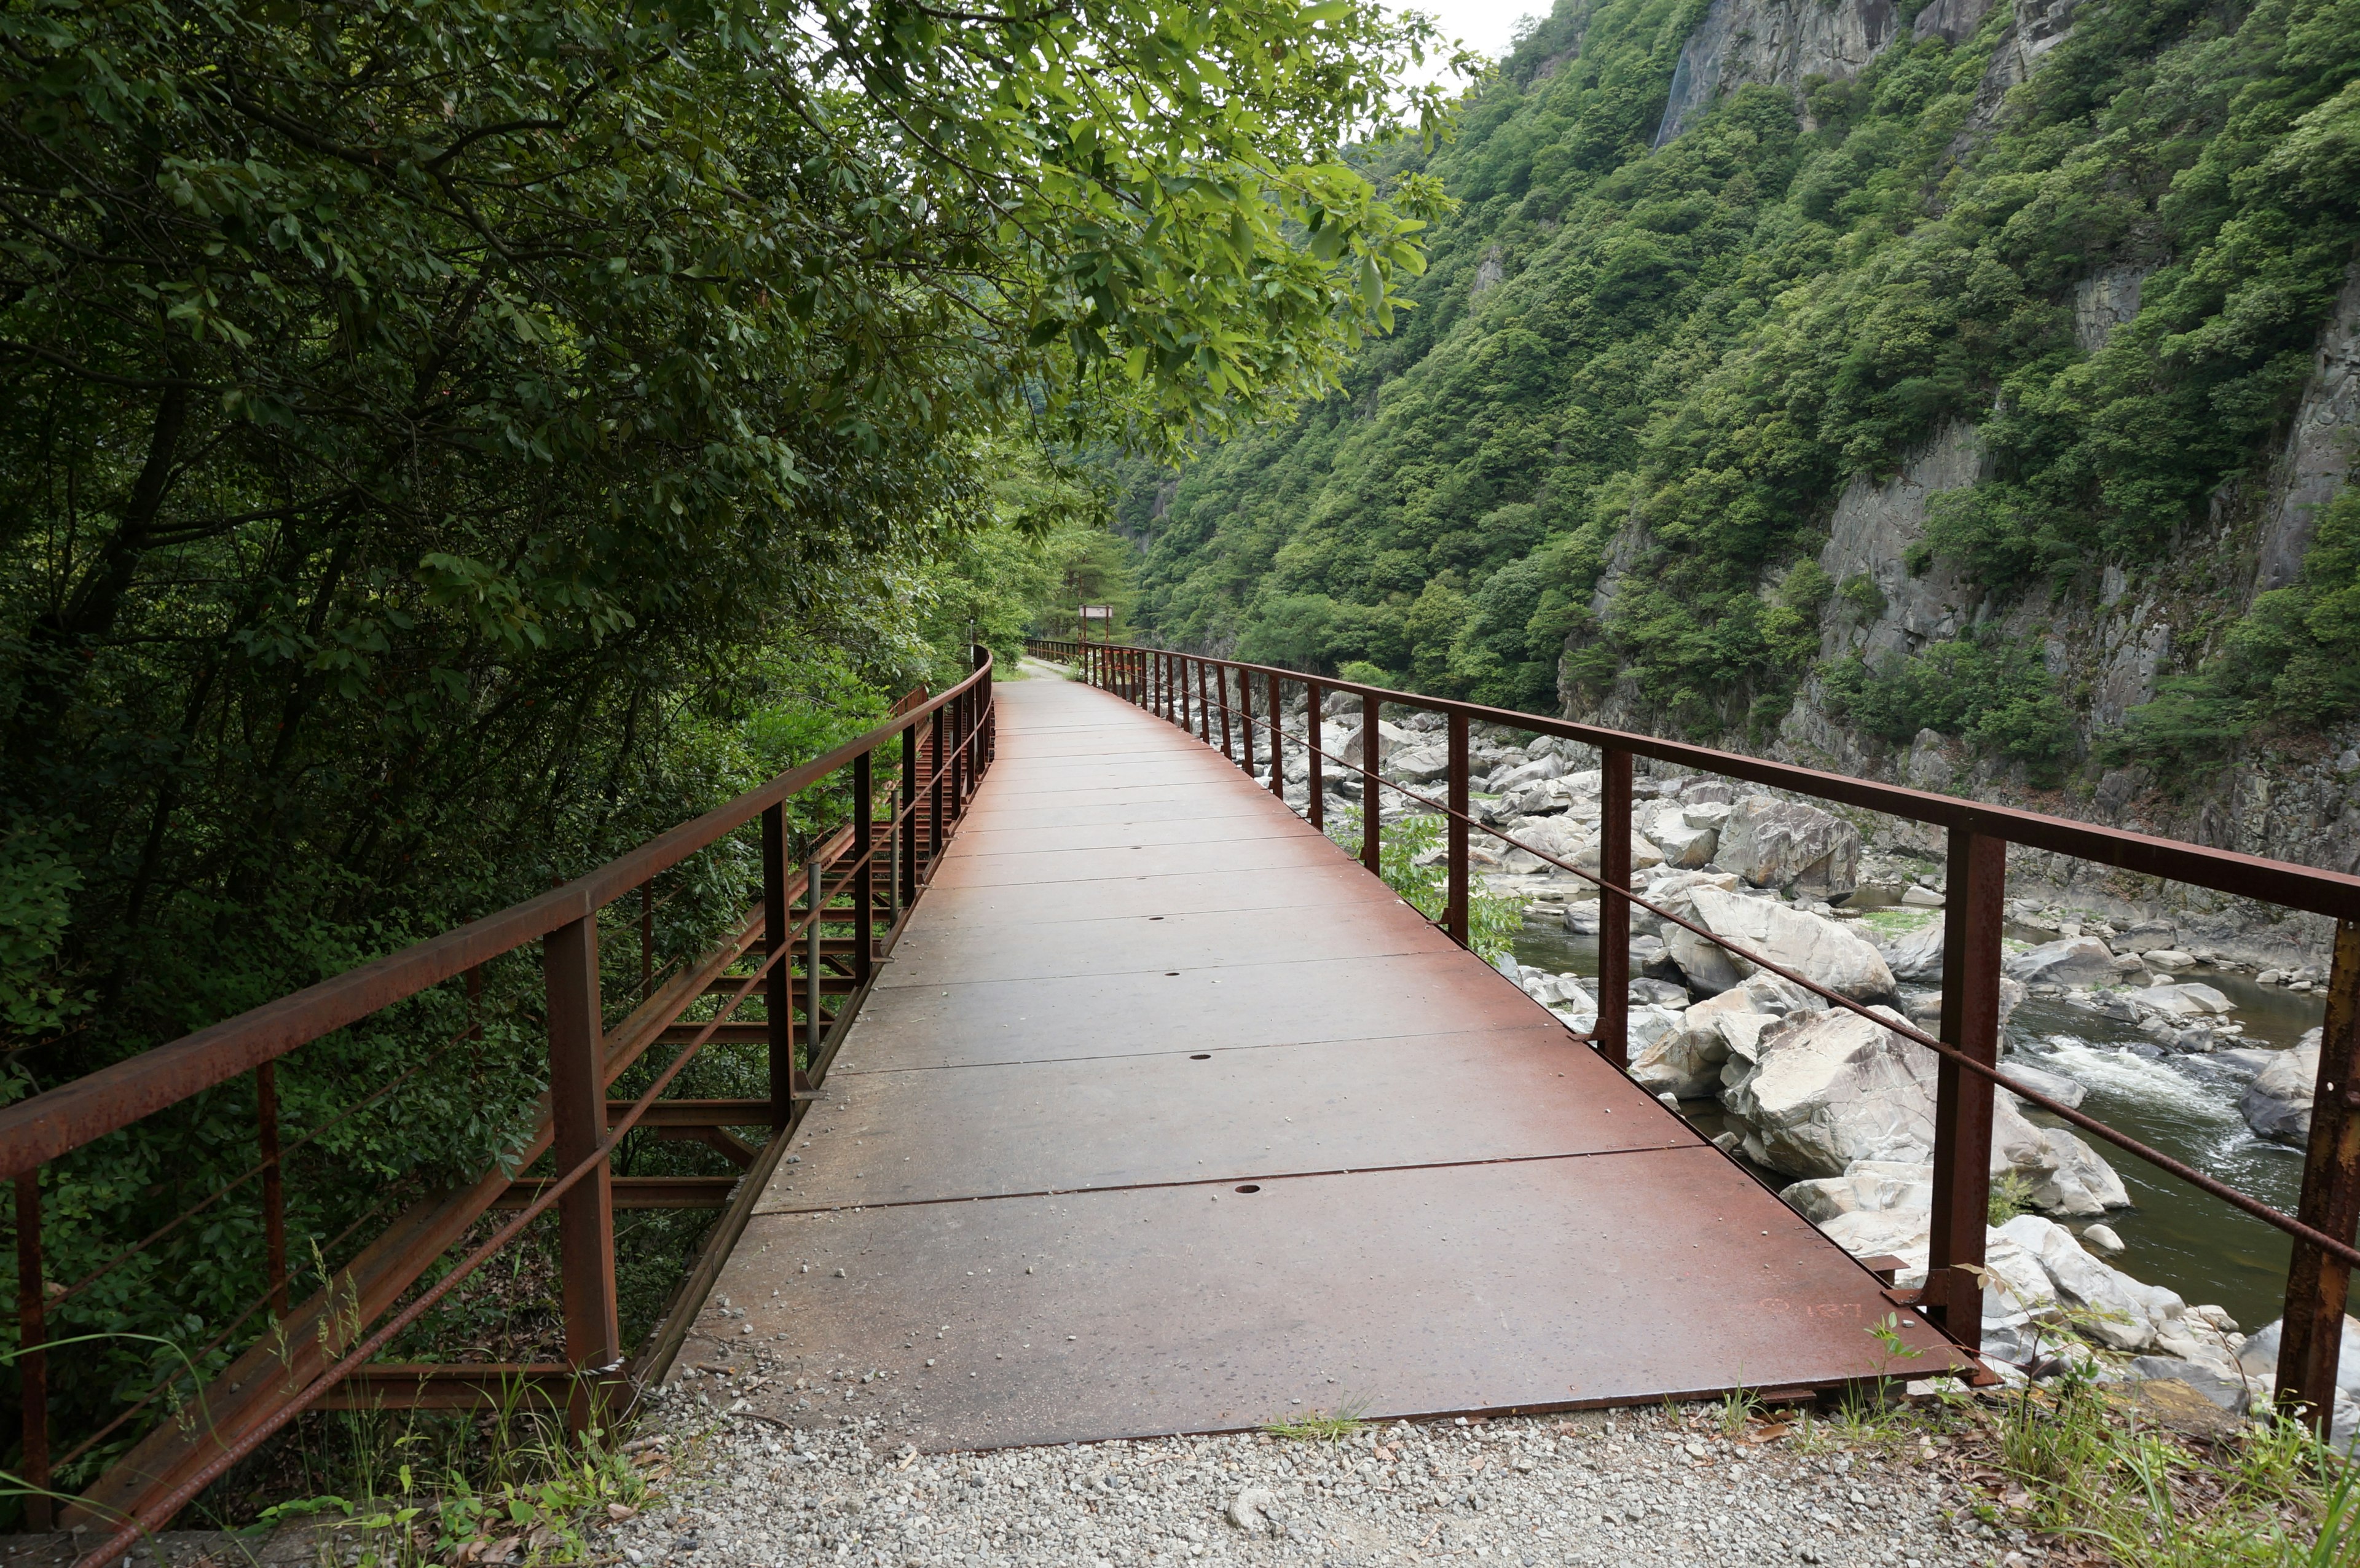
(35, 1131)
(2305, 888)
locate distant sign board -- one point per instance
(1098, 612)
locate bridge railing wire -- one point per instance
(316, 1352)
(1193, 691)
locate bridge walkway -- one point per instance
(1165, 1116)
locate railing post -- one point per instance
(32, 1361)
(585, 1215)
(1371, 753)
(777, 989)
(1246, 719)
(864, 883)
(1976, 896)
(1277, 744)
(2312, 1334)
(934, 801)
(1316, 735)
(1204, 706)
(1221, 685)
(1612, 1035)
(815, 900)
(1457, 911)
(906, 866)
(274, 1189)
(647, 937)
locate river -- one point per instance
(2184, 1106)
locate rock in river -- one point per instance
(2277, 1103)
(1784, 844)
(1820, 950)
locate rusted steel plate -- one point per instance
(1118, 899)
(977, 842)
(1592, 1279)
(1176, 802)
(1245, 857)
(1235, 1005)
(894, 1137)
(941, 954)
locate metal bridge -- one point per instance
(1105, 1096)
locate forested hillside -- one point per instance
(1913, 390)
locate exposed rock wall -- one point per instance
(1778, 42)
(2108, 639)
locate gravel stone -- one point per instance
(1644, 1487)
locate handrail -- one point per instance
(1160, 681)
(942, 764)
(35, 1131)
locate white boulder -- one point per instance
(2082, 1184)
(2277, 1103)
(2072, 961)
(1419, 764)
(1825, 1089)
(1916, 955)
(1784, 844)
(2111, 1307)
(1817, 949)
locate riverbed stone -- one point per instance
(2066, 1092)
(1831, 1088)
(2082, 1184)
(2115, 1310)
(1916, 955)
(2277, 1103)
(2070, 960)
(1819, 949)
(1870, 1186)
(1784, 844)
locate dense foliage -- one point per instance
(1600, 455)
(450, 440)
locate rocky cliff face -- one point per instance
(1779, 43)
(2107, 639)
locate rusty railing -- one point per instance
(320, 1352)
(1204, 695)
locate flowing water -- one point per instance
(2185, 1107)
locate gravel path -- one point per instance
(1602, 1487)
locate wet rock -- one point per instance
(1784, 844)
(2277, 1103)
(2072, 961)
(1819, 949)
(2066, 1092)
(2101, 1239)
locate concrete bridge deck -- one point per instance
(1165, 1116)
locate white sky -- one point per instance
(1482, 25)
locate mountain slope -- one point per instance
(1912, 391)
